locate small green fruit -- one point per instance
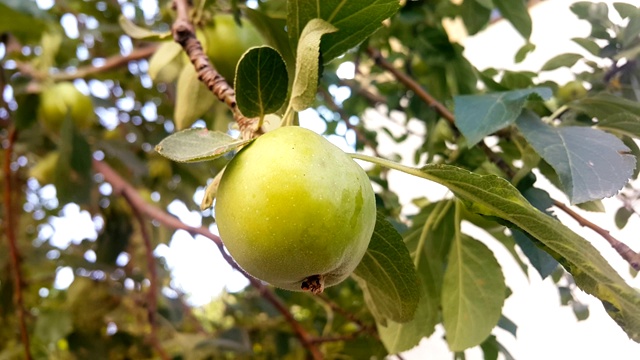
(44, 170)
(62, 99)
(227, 41)
(570, 91)
(295, 211)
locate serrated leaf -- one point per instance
(494, 196)
(72, 176)
(480, 115)
(305, 83)
(197, 144)
(589, 45)
(473, 293)
(261, 82)
(387, 276)
(140, 33)
(604, 105)
(517, 14)
(193, 98)
(355, 19)
(166, 53)
(544, 263)
(525, 50)
(591, 164)
(561, 60)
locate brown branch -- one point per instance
(185, 35)
(412, 85)
(110, 63)
(152, 300)
(349, 316)
(625, 252)
(122, 187)
(10, 231)
(331, 104)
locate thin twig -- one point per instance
(412, 85)
(122, 187)
(152, 300)
(349, 316)
(185, 35)
(10, 231)
(625, 252)
(331, 104)
(110, 63)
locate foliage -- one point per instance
(160, 136)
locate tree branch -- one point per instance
(152, 300)
(10, 231)
(184, 34)
(110, 63)
(625, 252)
(122, 187)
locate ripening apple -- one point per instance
(227, 41)
(295, 211)
(570, 91)
(64, 99)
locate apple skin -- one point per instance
(61, 99)
(291, 206)
(227, 41)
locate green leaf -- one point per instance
(197, 144)
(544, 263)
(604, 105)
(305, 83)
(429, 241)
(53, 325)
(480, 115)
(274, 31)
(593, 206)
(355, 19)
(589, 45)
(161, 59)
(72, 177)
(140, 33)
(20, 21)
(261, 82)
(193, 99)
(473, 293)
(561, 60)
(623, 123)
(631, 32)
(474, 15)
(626, 10)
(517, 14)
(622, 217)
(525, 50)
(387, 276)
(591, 164)
(491, 195)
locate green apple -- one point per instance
(62, 100)
(227, 41)
(295, 211)
(570, 91)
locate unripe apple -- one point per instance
(295, 211)
(227, 41)
(62, 99)
(570, 91)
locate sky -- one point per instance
(546, 330)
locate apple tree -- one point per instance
(122, 108)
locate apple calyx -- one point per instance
(314, 284)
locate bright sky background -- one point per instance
(545, 329)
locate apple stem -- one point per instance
(314, 283)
